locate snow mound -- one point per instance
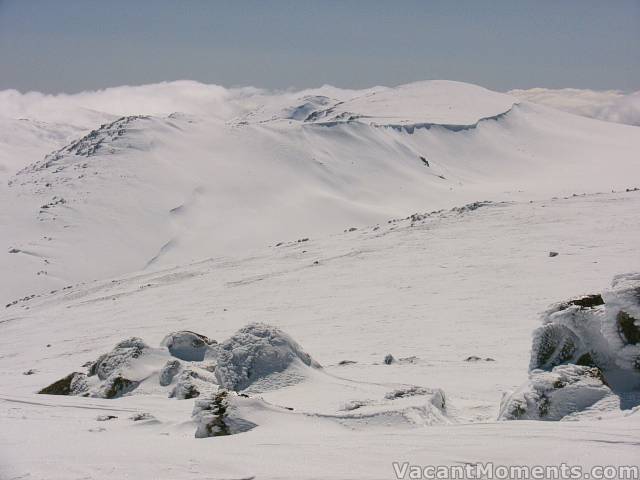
(565, 390)
(255, 352)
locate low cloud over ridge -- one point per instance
(609, 105)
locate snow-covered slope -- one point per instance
(453, 296)
(182, 171)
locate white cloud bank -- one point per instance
(608, 105)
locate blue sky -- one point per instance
(74, 45)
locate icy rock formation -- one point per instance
(587, 349)
(108, 368)
(192, 382)
(188, 346)
(593, 330)
(254, 352)
(219, 415)
(565, 390)
(119, 357)
(170, 370)
(622, 326)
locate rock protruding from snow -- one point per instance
(622, 325)
(565, 390)
(73, 384)
(191, 382)
(106, 138)
(587, 349)
(115, 386)
(188, 346)
(593, 330)
(255, 352)
(219, 415)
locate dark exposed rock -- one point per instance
(389, 359)
(408, 391)
(105, 418)
(117, 386)
(346, 362)
(214, 412)
(588, 301)
(72, 384)
(628, 328)
(219, 415)
(475, 358)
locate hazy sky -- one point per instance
(73, 45)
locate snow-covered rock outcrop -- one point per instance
(593, 330)
(256, 352)
(191, 364)
(565, 390)
(221, 379)
(587, 349)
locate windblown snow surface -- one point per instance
(232, 284)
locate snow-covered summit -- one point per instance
(181, 171)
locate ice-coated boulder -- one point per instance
(555, 394)
(121, 356)
(191, 382)
(170, 369)
(187, 345)
(622, 326)
(254, 352)
(587, 349)
(593, 330)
